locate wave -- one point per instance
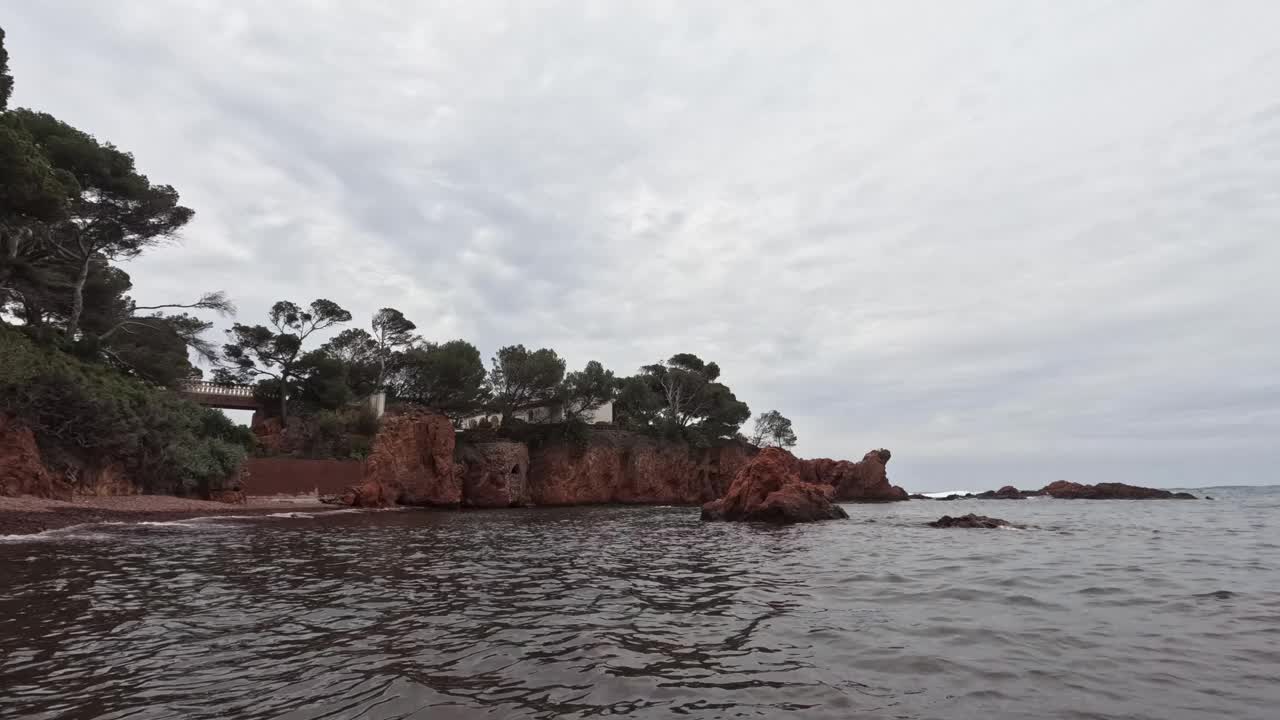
(950, 492)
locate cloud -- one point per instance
(997, 237)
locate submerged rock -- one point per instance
(1066, 490)
(769, 488)
(970, 521)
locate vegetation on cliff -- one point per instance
(87, 365)
(89, 415)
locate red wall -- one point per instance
(292, 476)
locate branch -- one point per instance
(216, 301)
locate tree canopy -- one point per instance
(447, 376)
(681, 397)
(519, 377)
(773, 429)
(276, 351)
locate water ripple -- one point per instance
(646, 612)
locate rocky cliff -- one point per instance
(418, 460)
(411, 463)
(864, 481)
(620, 467)
(771, 488)
(22, 469)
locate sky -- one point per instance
(1012, 241)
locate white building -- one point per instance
(540, 413)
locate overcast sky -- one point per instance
(1010, 241)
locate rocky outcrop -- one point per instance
(22, 469)
(864, 481)
(495, 474)
(1065, 490)
(411, 463)
(617, 467)
(770, 488)
(1008, 492)
(970, 521)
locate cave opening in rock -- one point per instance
(515, 469)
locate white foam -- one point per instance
(950, 492)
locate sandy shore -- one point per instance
(23, 515)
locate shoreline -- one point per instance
(29, 515)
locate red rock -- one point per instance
(22, 469)
(769, 488)
(971, 521)
(621, 467)
(864, 481)
(411, 463)
(1008, 492)
(1066, 490)
(495, 474)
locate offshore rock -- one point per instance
(970, 521)
(411, 464)
(864, 481)
(22, 469)
(1065, 490)
(770, 488)
(1008, 492)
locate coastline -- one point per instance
(27, 515)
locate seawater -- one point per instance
(1099, 609)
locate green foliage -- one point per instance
(117, 214)
(6, 80)
(680, 398)
(448, 376)
(276, 352)
(520, 377)
(340, 434)
(90, 412)
(587, 389)
(773, 429)
(392, 333)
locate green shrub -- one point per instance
(91, 413)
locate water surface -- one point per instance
(1157, 609)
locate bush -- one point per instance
(94, 414)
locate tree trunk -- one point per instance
(284, 403)
(77, 300)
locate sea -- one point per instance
(1155, 610)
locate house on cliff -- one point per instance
(544, 412)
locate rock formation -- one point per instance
(411, 463)
(864, 481)
(770, 488)
(619, 467)
(1065, 490)
(970, 521)
(495, 474)
(22, 469)
(1008, 492)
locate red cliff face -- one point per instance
(411, 464)
(22, 470)
(495, 474)
(770, 488)
(625, 468)
(864, 481)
